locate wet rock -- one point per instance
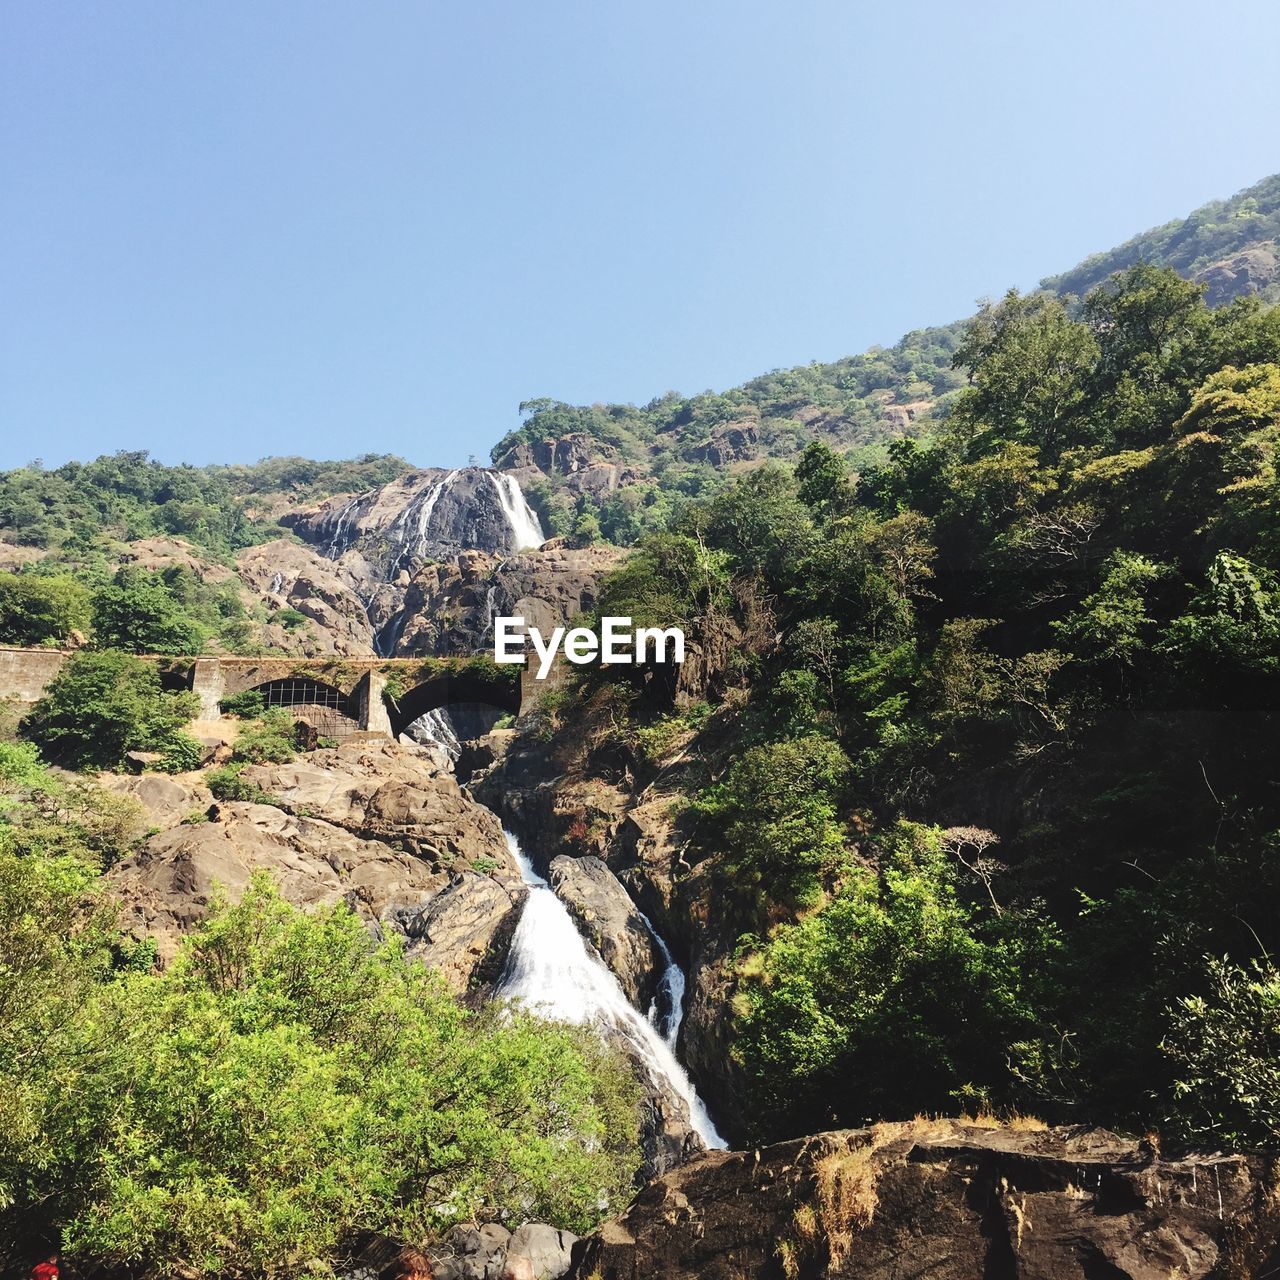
(609, 920)
(947, 1200)
(465, 930)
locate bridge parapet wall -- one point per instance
(24, 673)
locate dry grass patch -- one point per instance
(846, 1186)
(1014, 1121)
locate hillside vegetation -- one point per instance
(996, 819)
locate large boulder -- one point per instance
(465, 930)
(547, 1250)
(168, 885)
(166, 800)
(948, 1200)
(609, 920)
(393, 792)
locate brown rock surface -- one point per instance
(947, 1200)
(168, 885)
(393, 792)
(465, 930)
(167, 800)
(285, 574)
(372, 824)
(609, 920)
(1253, 270)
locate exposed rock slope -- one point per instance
(375, 825)
(946, 1200)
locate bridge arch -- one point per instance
(447, 689)
(325, 707)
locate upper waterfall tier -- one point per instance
(425, 515)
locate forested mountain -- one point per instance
(620, 468)
(975, 774)
(678, 446)
(963, 802)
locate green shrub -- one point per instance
(271, 739)
(289, 619)
(285, 1083)
(226, 784)
(180, 754)
(248, 705)
(102, 705)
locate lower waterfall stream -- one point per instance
(552, 973)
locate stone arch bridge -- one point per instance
(378, 696)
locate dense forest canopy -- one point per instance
(997, 816)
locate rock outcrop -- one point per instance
(948, 1200)
(533, 1251)
(1253, 270)
(286, 574)
(609, 920)
(371, 582)
(391, 792)
(375, 825)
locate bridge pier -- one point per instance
(208, 684)
(370, 706)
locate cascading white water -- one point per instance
(436, 728)
(670, 988)
(551, 972)
(417, 516)
(524, 522)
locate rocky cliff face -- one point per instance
(375, 825)
(420, 567)
(949, 1200)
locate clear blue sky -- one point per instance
(259, 227)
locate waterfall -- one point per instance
(386, 639)
(552, 973)
(525, 527)
(419, 512)
(438, 729)
(336, 544)
(670, 988)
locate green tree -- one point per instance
(338, 1087)
(37, 610)
(777, 814)
(900, 994)
(101, 705)
(139, 616)
(1225, 1047)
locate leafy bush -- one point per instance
(226, 783)
(180, 754)
(101, 705)
(271, 739)
(896, 996)
(248, 705)
(338, 1087)
(1225, 1046)
(777, 814)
